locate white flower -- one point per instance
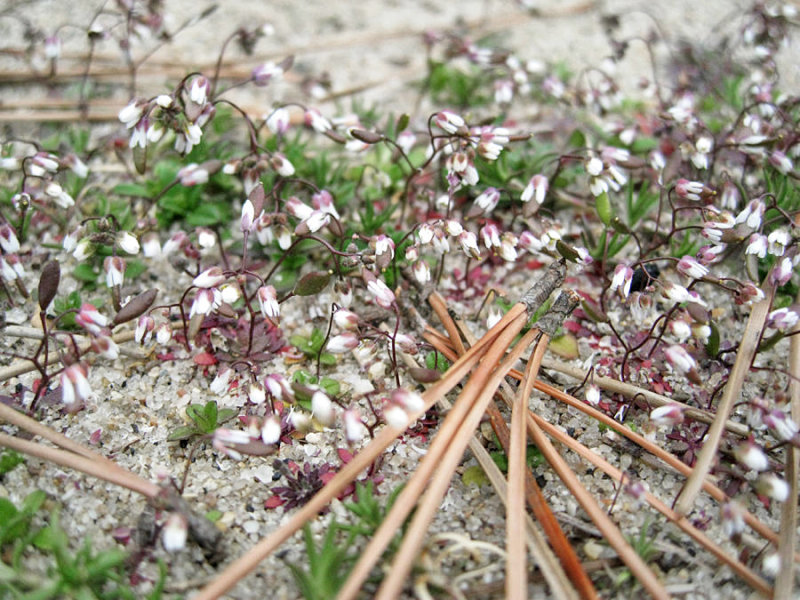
(773, 486)
(536, 189)
(339, 344)
(175, 532)
(449, 121)
(131, 113)
(322, 408)
(751, 456)
(221, 381)
(211, 277)
(198, 93)
(668, 414)
(354, 428)
(268, 302)
(271, 430)
(128, 242)
(278, 122)
(383, 295)
(680, 359)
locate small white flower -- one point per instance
(322, 408)
(128, 242)
(271, 430)
(175, 532)
(751, 456)
(278, 121)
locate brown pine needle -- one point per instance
(607, 527)
(784, 583)
(563, 581)
(516, 570)
(739, 568)
(708, 486)
(392, 585)
(412, 490)
(544, 515)
(733, 389)
(238, 569)
(112, 473)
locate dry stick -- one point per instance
(392, 585)
(712, 489)
(733, 388)
(95, 468)
(33, 426)
(25, 366)
(561, 585)
(784, 582)
(516, 570)
(739, 568)
(248, 561)
(632, 391)
(415, 486)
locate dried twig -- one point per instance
(784, 582)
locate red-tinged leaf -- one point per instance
(345, 455)
(205, 359)
(274, 502)
(165, 356)
(326, 477)
(572, 326)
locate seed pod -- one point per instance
(311, 284)
(424, 375)
(368, 137)
(48, 283)
(136, 307)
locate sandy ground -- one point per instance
(369, 46)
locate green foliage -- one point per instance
(9, 460)
(533, 458)
(78, 573)
(449, 85)
(435, 360)
(205, 420)
(71, 302)
(639, 203)
(312, 346)
(329, 386)
(644, 545)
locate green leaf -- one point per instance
(474, 475)
(131, 189)
(84, 272)
(8, 461)
(208, 214)
(712, 345)
(603, 207)
(183, 432)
